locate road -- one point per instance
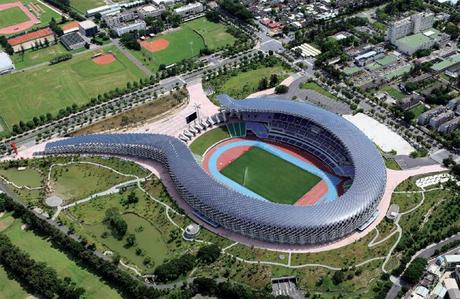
(131, 57)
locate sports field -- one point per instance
(12, 16)
(42, 12)
(184, 43)
(50, 88)
(270, 176)
(39, 56)
(83, 5)
(205, 141)
(215, 35)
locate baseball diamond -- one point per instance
(329, 137)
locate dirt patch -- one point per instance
(155, 45)
(106, 58)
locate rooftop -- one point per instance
(30, 36)
(5, 61)
(452, 60)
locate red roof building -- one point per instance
(28, 39)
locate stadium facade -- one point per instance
(329, 137)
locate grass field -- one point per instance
(215, 35)
(83, 5)
(45, 16)
(270, 176)
(246, 83)
(315, 87)
(28, 177)
(393, 92)
(31, 58)
(42, 251)
(417, 110)
(9, 288)
(50, 88)
(75, 182)
(202, 143)
(184, 43)
(12, 16)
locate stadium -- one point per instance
(303, 147)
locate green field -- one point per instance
(202, 143)
(83, 5)
(215, 35)
(246, 83)
(417, 110)
(270, 176)
(9, 288)
(75, 182)
(45, 16)
(393, 92)
(315, 87)
(50, 88)
(42, 251)
(28, 177)
(184, 43)
(31, 58)
(12, 16)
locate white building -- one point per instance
(189, 9)
(6, 64)
(104, 10)
(150, 11)
(410, 25)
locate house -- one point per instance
(29, 40)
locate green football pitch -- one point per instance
(12, 16)
(271, 177)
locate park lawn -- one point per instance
(393, 92)
(246, 83)
(205, 141)
(28, 177)
(215, 35)
(79, 181)
(31, 58)
(88, 222)
(10, 288)
(315, 87)
(83, 5)
(184, 43)
(48, 89)
(270, 176)
(41, 250)
(405, 201)
(12, 16)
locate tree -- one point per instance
(116, 223)
(263, 84)
(280, 89)
(338, 277)
(130, 240)
(208, 253)
(415, 270)
(129, 40)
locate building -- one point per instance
(452, 104)
(87, 28)
(6, 64)
(191, 231)
(440, 119)
(335, 141)
(70, 27)
(189, 9)
(421, 41)
(29, 40)
(450, 126)
(105, 10)
(450, 262)
(125, 23)
(72, 41)
(150, 11)
(410, 25)
(165, 2)
(452, 288)
(425, 117)
(408, 102)
(307, 50)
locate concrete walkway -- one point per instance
(131, 58)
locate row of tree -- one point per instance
(37, 278)
(80, 253)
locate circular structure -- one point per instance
(191, 231)
(106, 58)
(155, 45)
(330, 138)
(54, 201)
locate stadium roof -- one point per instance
(221, 204)
(30, 36)
(5, 62)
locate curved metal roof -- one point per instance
(365, 192)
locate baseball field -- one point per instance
(48, 89)
(270, 176)
(182, 43)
